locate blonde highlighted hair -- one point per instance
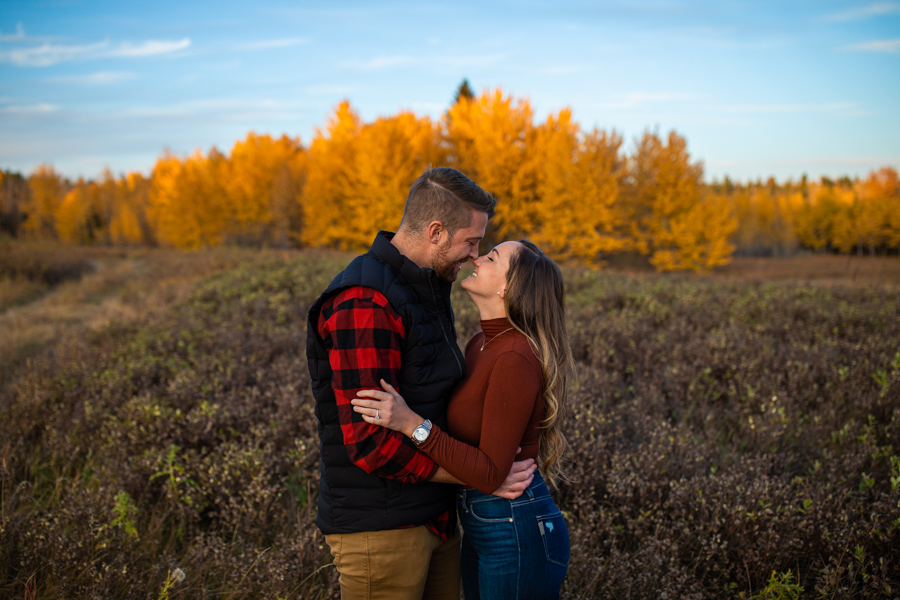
(535, 306)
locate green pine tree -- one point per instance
(463, 91)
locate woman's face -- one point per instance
(489, 276)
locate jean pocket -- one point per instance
(555, 536)
(492, 511)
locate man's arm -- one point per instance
(363, 335)
(442, 476)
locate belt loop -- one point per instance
(530, 493)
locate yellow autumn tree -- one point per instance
(679, 226)
(188, 205)
(391, 153)
(885, 184)
(878, 219)
(332, 155)
(75, 217)
(748, 234)
(765, 216)
(847, 216)
(262, 183)
(815, 219)
(576, 209)
(128, 223)
(47, 189)
(107, 211)
(359, 175)
(490, 137)
(842, 200)
(790, 203)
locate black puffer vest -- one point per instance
(351, 500)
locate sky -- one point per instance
(758, 88)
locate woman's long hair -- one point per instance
(535, 306)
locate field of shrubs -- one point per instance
(730, 440)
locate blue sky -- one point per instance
(758, 88)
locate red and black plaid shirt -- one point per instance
(363, 335)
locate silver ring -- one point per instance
(377, 415)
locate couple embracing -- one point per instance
(415, 434)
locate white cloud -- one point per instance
(476, 60)
(883, 46)
(430, 107)
(149, 48)
(29, 109)
(269, 44)
(724, 164)
(454, 60)
(99, 78)
(835, 161)
(560, 70)
(221, 107)
(873, 10)
(48, 54)
(785, 108)
(18, 36)
(328, 90)
(379, 62)
(636, 99)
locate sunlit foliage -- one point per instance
(673, 221)
(359, 175)
(250, 197)
(47, 189)
(575, 192)
(110, 211)
(577, 212)
(491, 137)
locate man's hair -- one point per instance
(446, 195)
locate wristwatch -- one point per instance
(420, 433)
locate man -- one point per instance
(386, 509)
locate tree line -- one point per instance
(845, 216)
(573, 191)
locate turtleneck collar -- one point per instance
(493, 327)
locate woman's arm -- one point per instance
(513, 388)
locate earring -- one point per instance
(498, 293)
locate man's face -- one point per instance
(449, 256)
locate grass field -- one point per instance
(51, 291)
(734, 435)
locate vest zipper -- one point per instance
(444, 330)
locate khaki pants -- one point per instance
(398, 564)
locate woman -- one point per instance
(514, 395)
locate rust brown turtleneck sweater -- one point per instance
(494, 410)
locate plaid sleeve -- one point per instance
(363, 335)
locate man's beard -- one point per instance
(443, 267)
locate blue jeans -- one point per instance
(516, 549)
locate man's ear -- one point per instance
(435, 232)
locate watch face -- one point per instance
(420, 434)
